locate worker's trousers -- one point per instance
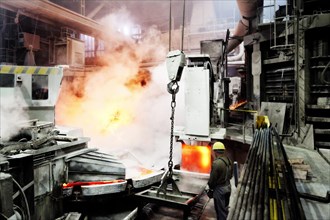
(221, 196)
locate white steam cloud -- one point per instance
(12, 114)
(117, 106)
(148, 137)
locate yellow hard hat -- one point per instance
(218, 146)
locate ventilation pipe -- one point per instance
(248, 12)
(239, 56)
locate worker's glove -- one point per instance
(209, 192)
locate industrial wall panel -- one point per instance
(197, 101)
(275, 112)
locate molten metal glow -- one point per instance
(72, 184)
(196, 158)
(237, 105)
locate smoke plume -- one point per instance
(121, 106)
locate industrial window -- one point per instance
(92, 46)
(269, 8)
(7, 80)
(39, 87)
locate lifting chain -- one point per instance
(172, 88)
(170, 162)
(167, 179)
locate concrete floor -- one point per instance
(209, 211)
(318, 185)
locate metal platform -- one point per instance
(191, 186)
(183, 202)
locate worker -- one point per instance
(219, 181)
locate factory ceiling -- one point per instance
(54, 14)
(145, 12)
(85, 15)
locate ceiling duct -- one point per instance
(248, 12)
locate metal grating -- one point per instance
(279, 85)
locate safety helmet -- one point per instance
(218, 146)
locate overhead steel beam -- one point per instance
(54, 14)
(96, 10)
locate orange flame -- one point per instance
(105, 100)
(110, 122)
(237, 105)
(101, 104)
(196, 158)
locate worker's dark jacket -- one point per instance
(221, 172)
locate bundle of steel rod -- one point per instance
(266, 188)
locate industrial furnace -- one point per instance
(44, 163)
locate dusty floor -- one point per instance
(318, 185)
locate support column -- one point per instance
(256, 72)
(300, 75)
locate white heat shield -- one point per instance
(197, 101)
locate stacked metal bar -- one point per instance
(287, 195)
(252, 201)
(266, 188)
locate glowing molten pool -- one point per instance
(72, 184)
(196, 158)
